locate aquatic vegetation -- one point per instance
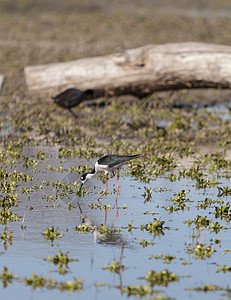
(210, 288)
(226, 251)
(6, 277)
(61, 258)
(199, 221)
(138, 170)
(41, 155)
(206, 183)
(162, 278)
(98, 206)
(71, 286)
(156, 227)
(8, 201)
(26, 190)
(6, 237)
(179, 201)
(36, 281)
(223, 191)
(62, 261)
(194, 172)
(6, 215)
(147, 194)
(27, 162)
(70, 152)
(137, 289)
(146, 243)
(114, 267)
(166, 258)
(224, 269)
(84, 228)
(216, 227)
(164, 150)
(201, 251)
(205, 203)
(52, 234)
(223, 211)
(160, 165)
(8, 187)
(104, 230)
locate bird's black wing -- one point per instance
(114, 160)
(70, 98)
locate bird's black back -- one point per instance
(72, 97)
(114, 160)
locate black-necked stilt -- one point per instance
(107, 163)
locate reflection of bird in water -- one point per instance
(72, 97)
(109, 238)
(108, 163)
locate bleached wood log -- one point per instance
(2, 78)
(137, 71)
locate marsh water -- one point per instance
(30, 249)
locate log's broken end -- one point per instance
(2, 79)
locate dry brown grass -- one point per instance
(40, 32)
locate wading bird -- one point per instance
(107, 163)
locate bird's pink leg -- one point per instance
(105, 210)
(105, 219)
(117, 213)
(117, 184)
(103, 191)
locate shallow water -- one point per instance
(30, 249)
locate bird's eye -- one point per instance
(81, 178)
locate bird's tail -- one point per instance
(135, 155)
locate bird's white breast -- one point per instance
(101, 168)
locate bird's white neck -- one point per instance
(90, 175)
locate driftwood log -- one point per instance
(138, 71)
(2, 78)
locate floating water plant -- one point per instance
(145, 243)
(138, 290)
(201, 251)
(166, 258)
(62, 261)
(224, 269)
(199, 221)
(84, 228)
(206, 183)
(162, 278)
(36, 281)
(51, 234)
(6, 277)
(223, 211)
(216, 227)
(179, 201)
(6, 237)
(147, 194)
(223, 191)
(156, 227)
(114, 267)
(71, 286)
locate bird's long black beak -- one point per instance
(81, 185)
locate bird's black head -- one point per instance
(86, 176)
(83, 177)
